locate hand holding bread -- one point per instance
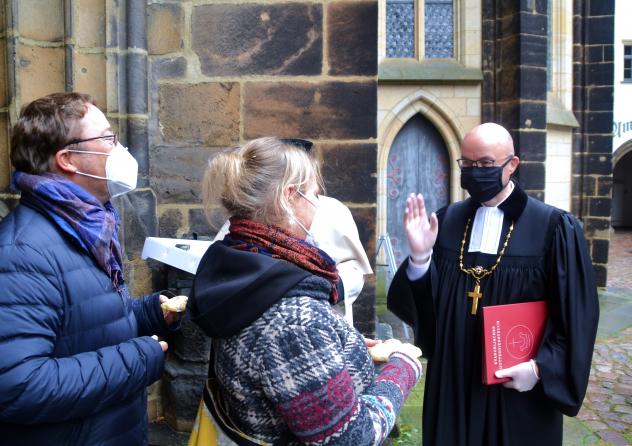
(176, 304)
(382, 351)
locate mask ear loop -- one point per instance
(293, 219)
(511, 176)
(300, 225)
(306, 198)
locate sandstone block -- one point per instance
(532, 175)
(41, 19)
(599, 252)
(137, 144)
(7, 205)
(164, 28)
(5, 165)
(167, 67)
(90, 76)
(198, 223)
(90, 23)
(205, 113)
(598, 164)
(170, 222)
(273, 39)
(326, 110)
(41, 71)
(351, 38)
(365, 218)
(138, 219)
(191, 342)
(181, 392)
(604, 185)
(4, 96)
(175, 173)
(364, 309)
(350, 171)
(600, 207)
(138, 276)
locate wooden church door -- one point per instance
(418, 162)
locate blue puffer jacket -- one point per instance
(72, 367)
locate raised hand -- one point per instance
(420, 231)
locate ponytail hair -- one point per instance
(248, 181)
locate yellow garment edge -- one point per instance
(204, 431)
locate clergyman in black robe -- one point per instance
(546, 258)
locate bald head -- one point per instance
(490, 145)
(488, 140)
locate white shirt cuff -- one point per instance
(416, 272)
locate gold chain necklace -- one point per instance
(478, 272)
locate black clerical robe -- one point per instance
(546, 258)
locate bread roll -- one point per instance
(176, 304)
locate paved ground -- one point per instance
(606, 415)
(620, 260)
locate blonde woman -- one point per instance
(285, 368)
(334, 231)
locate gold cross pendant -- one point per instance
(475, 295)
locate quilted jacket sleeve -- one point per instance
(36, 387)
(149, 316)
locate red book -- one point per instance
(511, 335)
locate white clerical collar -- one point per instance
(488, 227)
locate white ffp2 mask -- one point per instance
(121, 170)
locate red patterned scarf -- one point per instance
(271, 240)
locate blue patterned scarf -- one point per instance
(80, 215)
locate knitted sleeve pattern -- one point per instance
(309, 379)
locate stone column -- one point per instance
(593, 75)
(514, 85)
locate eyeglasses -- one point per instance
(302, 143)
(113, 140)
(484, 163)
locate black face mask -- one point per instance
(482, 183)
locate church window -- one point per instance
(627, 63)
(400, 28)
(420, 29)
(439, 29)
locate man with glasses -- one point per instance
(497, 247)
(76, 352)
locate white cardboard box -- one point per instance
(179, 253)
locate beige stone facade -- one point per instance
(558, 167)
(560, 119)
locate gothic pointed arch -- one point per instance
(426, 113)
